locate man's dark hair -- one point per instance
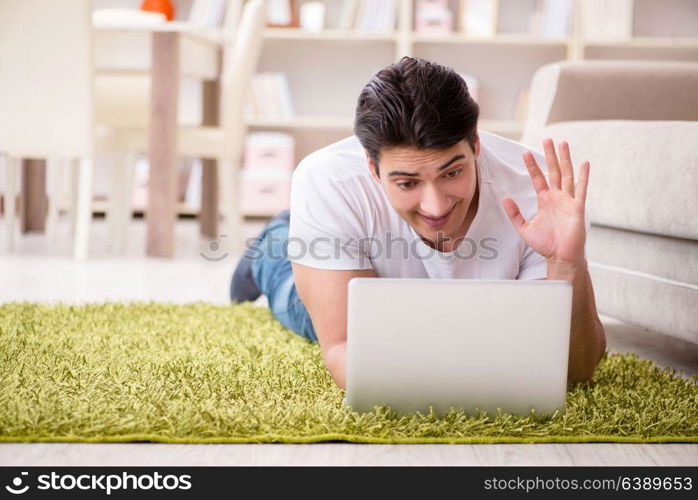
(415, 103)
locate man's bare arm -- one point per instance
(587, 334)
(324, 295)
(557, 231)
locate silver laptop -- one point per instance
(471, 345)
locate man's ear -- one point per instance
(371, 166)
(477, 144)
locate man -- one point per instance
(419, 192)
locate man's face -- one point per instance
(431, 189)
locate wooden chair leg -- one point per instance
(55, 171)
(73, 167)
(84, 209)
(11, 167)
(120, 208)
(116, 194)
(209, 212)
(231, 232)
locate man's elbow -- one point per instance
(586, 373)
(601, 336)
(335, 361)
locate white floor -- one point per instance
(37, 271)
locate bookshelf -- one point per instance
(326, 69)
(503, 63)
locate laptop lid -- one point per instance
(474, 345)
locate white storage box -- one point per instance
(264, 191)
(269, 150)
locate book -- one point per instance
(347, 15)
(376, 15)
(207, 13)
(556, 18)
(607, 20)
(271, 95)
(479, 17)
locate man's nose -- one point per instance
(434, 203)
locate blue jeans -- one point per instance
(272, 273)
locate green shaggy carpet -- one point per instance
(199, 373)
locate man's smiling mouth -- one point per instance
(440, 221)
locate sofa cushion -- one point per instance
(661, 306)
(644, 174)
(661, 257)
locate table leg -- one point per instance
(33, 200)
(162, 177)
(208, 217)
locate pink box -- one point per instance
(264, 191)
(433, 21)
(269, 150)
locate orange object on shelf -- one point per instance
(159, 6)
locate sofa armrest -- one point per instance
(610, 90)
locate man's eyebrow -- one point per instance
(415, 174)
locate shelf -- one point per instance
(302, 122)
(501, 39)
(646, 42)
(329, 34)
(507, 127)
(454, 37)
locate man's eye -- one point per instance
(406, 184)
(452, 174)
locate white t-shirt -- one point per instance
(341, 218)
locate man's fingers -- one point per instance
(566, 168)
(514, 214)
(537, 177)
(552, 163)
(580, 192)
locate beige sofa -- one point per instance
(635, 121)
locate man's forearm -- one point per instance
(335, 360)
(587, 335)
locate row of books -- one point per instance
(362, 15)
(368, 15)
(607, 20)
(481, 18)
(270, 96)
(601, 19)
